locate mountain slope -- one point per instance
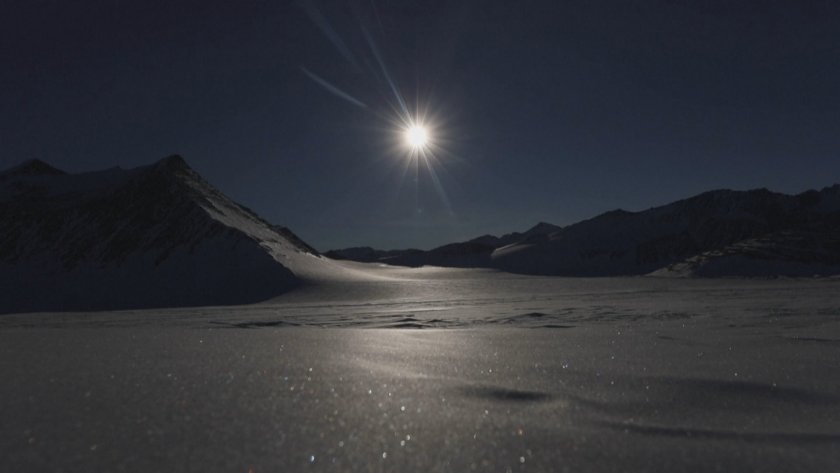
(625, 243)
(806, 252)
(153, 236)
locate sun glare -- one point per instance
(417, 136)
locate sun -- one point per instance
(417, 136)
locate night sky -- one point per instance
(540, 111)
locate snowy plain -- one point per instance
(432, 369)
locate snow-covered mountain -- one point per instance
(624, 243)
(152, 236)
(633, 243)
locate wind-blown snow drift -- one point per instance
(153, 236)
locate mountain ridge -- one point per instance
(161, 236)
(621, 242)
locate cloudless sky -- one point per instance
(541, 110)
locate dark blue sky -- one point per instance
(547, 110)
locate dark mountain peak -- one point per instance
(485, 239)
(33, 167)
(714, 194)
(828, 198)
(831, 189)
(615, 213)
(542, 228)
(173, 163)
(726, 200)
(174, 171)
(710, 196)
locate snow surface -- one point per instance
(509, 373)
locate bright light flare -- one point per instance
(417, 136)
